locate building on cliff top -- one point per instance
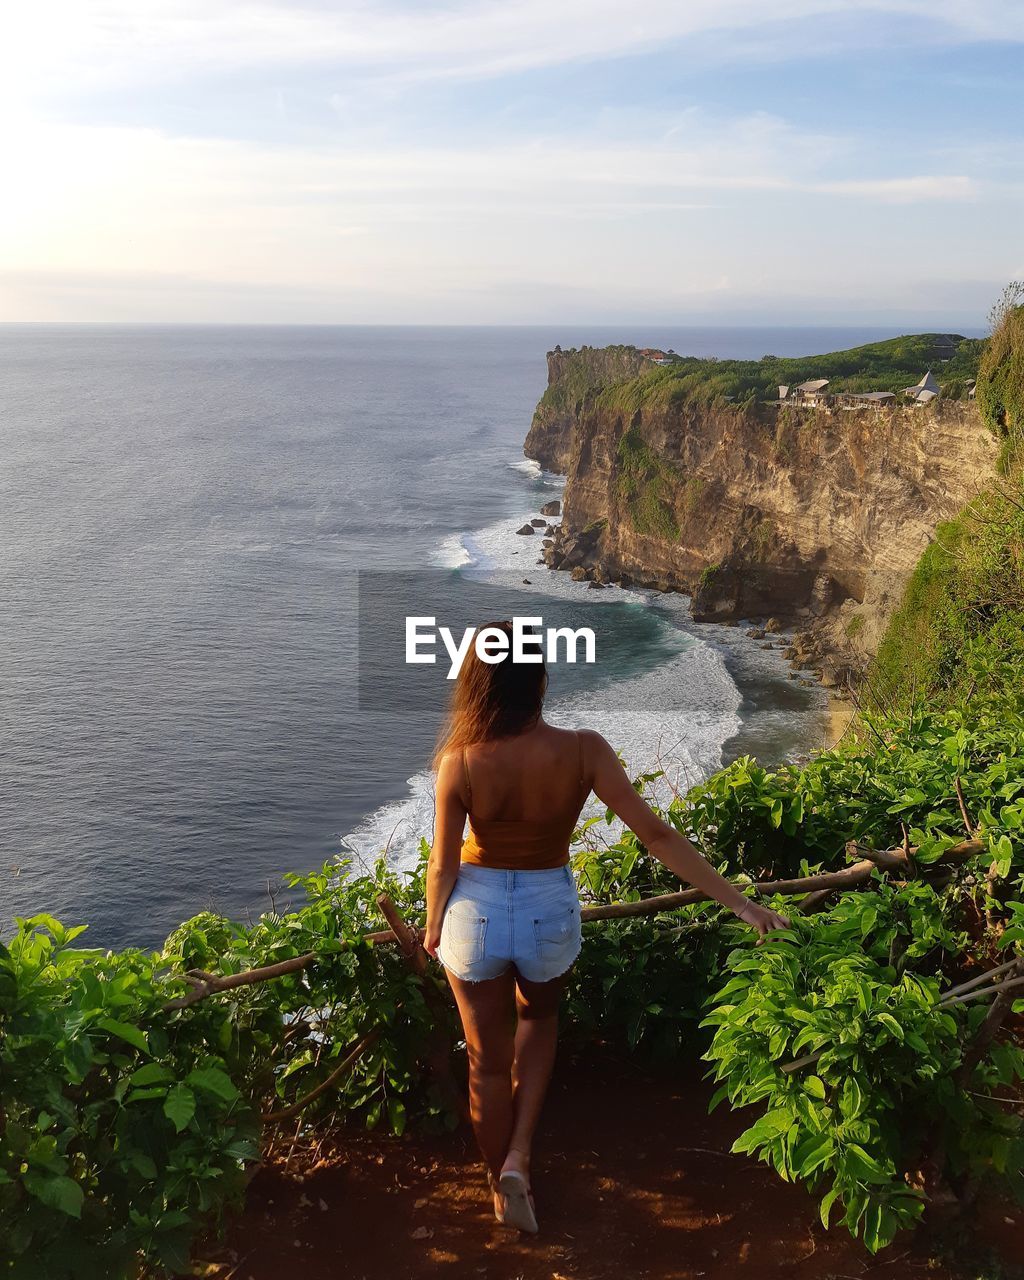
(810, 393)
(923, 391)
(865, 399)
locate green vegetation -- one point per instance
(964, 608)
(126, 1127)
(693, 491)
(762, 538)
(1001, 374)
(583, 372)
(891, 365)
(855, 626)
(645, 484)
(707, 576)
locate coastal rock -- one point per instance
(579, 574)
(525, 530)
(548, 542)
(553, 508)
(538, 523)
(755, 633)
(594, 585)
(823, 593)
(772, 625)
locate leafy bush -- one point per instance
(878, 1093)
(1000, 390)
(127, 1126)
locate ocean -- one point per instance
(208, 537)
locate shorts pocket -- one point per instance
(557, 935)
(462, 934)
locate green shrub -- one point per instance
(645, 483)
(1000, 389)
(878, 1091)
(127, 1126)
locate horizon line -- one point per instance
(482, 324)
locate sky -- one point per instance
(520, 162)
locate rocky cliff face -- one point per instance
(813, 517)
(574, 378)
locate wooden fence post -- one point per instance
(437, 1051)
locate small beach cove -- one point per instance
(633, 1178)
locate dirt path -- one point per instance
(633, 1180)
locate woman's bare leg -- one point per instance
(536, 1041)
(487, 1010)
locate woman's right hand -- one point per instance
(761, 919)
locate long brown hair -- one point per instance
(492, 699)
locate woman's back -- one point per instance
(523, 795)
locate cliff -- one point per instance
(816, 517)
(574, 378)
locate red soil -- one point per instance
(633, 1179)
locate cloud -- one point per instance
(54, 46)
(632, 203)
(909, 190)
(127, 196)
(405, 223)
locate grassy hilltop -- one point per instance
(891, 365)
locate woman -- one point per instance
(503, 913)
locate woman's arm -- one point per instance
(445, 852)
(613, 787)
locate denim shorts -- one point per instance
(495, 919)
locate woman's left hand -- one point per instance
(761, 919)
(431, 941)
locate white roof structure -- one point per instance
(783, 391)
(816, 384)
(926, 389)
(877, 396)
